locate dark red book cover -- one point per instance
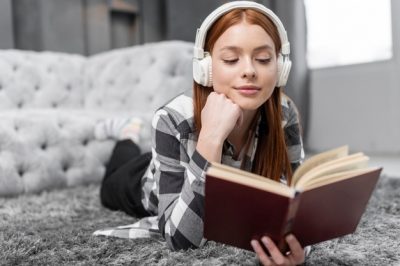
(333, 210)
(235, 213)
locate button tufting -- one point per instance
(43, 146)
(15, 67)
(21, 171)
(20, 105)
(69, 87)
(65, 167)
(55, 105)
(85, 142)
(1, 86)
(37, 87)
(173, 72)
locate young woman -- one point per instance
(236, 115)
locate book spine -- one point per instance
(291, 214)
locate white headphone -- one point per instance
(202, 62)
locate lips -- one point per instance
(248, 89)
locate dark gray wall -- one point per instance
(97, 27)
(74, 26)
(61, 24)
(184, 17)
(26, 19)
(49, 25)
(6, 25)
(153, 20)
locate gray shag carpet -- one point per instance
(55, 228)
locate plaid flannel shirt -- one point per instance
(173, 185)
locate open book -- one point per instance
(328, 195)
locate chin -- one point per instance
(250, 103)
(250, 106)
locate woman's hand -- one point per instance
(218, 118)
(295, 257)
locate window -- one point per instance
(343, 32)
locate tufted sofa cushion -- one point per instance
(47, 148)
(50, 103)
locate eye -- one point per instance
(263, 60)
(230, 61)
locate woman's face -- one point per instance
(244, 65)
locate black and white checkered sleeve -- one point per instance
(292, 129)
(181, 183)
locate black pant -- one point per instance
(121, 187)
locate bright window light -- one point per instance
(344, 32)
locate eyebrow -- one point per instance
(235, 48)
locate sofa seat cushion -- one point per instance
(50, 148)
(43, 149)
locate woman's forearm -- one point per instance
(209, 147)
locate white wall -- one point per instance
(358, 105)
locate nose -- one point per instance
(249, 71)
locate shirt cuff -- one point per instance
(198, 165)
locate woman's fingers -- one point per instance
(260, 253)
(275, 253)
(295, 257)
(296, 251)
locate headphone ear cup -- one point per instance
(202, 70)
(284, 66)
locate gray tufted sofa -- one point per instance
(50, 103)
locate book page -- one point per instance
(319, 159)
(248, 179)
(329, 179)
(351, 162)
(242, 172)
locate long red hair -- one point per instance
(271, 157)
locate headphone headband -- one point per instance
(210, 19)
